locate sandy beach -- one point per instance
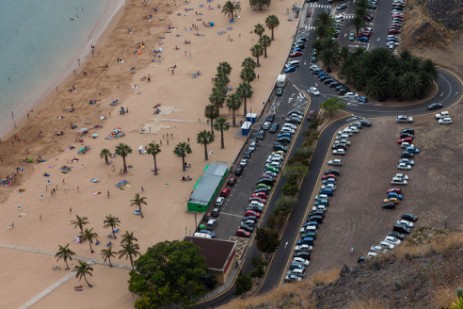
(42, 220)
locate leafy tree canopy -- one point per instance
(169, 272)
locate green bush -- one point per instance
(243, 284)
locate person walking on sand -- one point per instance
(108, 194)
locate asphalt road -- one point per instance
(449, 91)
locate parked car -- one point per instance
(279, 91)
(392, 240)
(260, 135)
(443, 114)
(238, 171)
(404, 166)
(219, 201)
(402, 182)
(232, 181)
(332, 171)
(314, 91)
(225, 192)
(274, 128)
(405, 140)
(339, 151)
(292, 278)
(446, 120)
(401, 229)
(409, 217)
(404, 119)
(389, 205)
(242, 233)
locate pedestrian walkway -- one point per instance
(349, 16)
(50, 253)
(319, 6)
(48, 290)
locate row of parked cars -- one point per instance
(308, 231)
(395, 25)
(297, 50)
(401, 228)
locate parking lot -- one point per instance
(355, 218)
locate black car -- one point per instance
(405, 134)
(434, 106)
(317, 218)
(407, 130)
(302, 254)
(409, 217)
(397, 235)
(238, 171)
(332, 171)
(339, 145)
(215, 212)
(265, 190)
(266, 180)
(273, 128)
(254, 208)
(334, 84)
(325, 77)
(406, 155)
(401, 229)
(365, 122)
(317, 213)
(342, 91)
(270, 118)
(246, 227)
(328, 81)
(389, 205)
(260, 135)
(247, 154)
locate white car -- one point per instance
(314, 91)
(345, 131)
(407, 161)
(287, 129)
(342, 140)
(219, 201)
(400, 175)
(335, 162)
(321, 197)
(314, 67)
(252, 146)
(354, 129)
(399, 182)
(405, 222)
(446, 120)
(386, 245)
(372, 254)
(303, 248)
(243, 162)
(443, 114)
(339, 16)
(404, 119)
(292, 278)
(319, 207)
(404, 145)
(404, 166)
(393, 240)
(329, 186)
(351, 95)
(376, 249)
(301, 260)
(256, 203)
(290, 125)
(339, 152)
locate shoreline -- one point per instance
(98, 35)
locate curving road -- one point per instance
(449, 91)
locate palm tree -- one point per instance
(248, 62)
(65, 253)
(329, 57)
(224, 67)
(130, 249)
(138, 201)
(105, 153)
(230, 8)
(205, 138)
(217, 97)
(222, 125)
(257, 51)
(211, 112)
(244, 91)
(154, 149)
(247, 74)
(410, 85)
(265, 41)
(107, 254)
(259, 4)
(358, 22)
(234, 103)
(82, 270)
(123, 150)
(112, 222)
(272, 22)
(181, 151)
(80, 222)
(259, 30)
(89, 235)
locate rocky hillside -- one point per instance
(422, 273)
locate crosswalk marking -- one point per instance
(309, 27)
(317, 5)
(349, 16)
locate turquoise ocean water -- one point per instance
(39, 41)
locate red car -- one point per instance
(242, 233)
(258, 199)
(328, 176)
(393, 31)
(259, 194)
(396, 190)
(225, 192)
(405, 139)
(252, 213)
(295, 54)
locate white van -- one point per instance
(203, 235)
(294, 63)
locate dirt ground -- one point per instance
(355, 218)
